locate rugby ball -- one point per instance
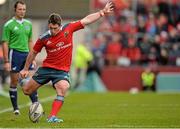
(35, 112)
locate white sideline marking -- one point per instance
(43, 100)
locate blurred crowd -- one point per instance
(141, 32)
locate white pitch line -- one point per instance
(43, 100)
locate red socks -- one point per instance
(56, 106)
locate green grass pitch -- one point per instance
(99, 110)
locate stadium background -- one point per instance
(108, 109)
(132, 23)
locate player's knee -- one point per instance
(65, 87)
(27, 91)
(62, 87)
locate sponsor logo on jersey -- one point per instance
(66, 33)
(59, 44)
(27, 27)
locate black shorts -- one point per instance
(43, 75)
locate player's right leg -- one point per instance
(31, 86)
(34, 95)
(37, 80)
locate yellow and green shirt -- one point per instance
(148, 78)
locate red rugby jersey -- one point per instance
(58, 47)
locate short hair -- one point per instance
(18, 2)
(55, 18)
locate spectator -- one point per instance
(98, 51)
(132, 52)
(174, 37)
(155, 27)
(148, 79)
(163, 60)
(174, 54)
(113, 50)
(82, 58)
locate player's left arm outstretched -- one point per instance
(108, 9)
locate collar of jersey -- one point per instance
(18, 21)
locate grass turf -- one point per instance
(101, 110)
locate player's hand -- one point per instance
(24, 73)
(7, 66)
(109, 8)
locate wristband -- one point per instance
(7, 61)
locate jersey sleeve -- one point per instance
(5, 33)
(38, 45)
(75, 26)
